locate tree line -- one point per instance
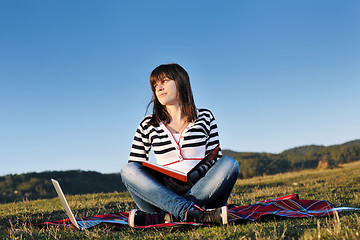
(17, 187)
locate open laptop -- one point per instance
(80, 224)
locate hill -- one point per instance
(354, 142)
(294, 159)
(38, 185)
(340, 186)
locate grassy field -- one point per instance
(340, 186)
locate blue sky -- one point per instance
(74, 75)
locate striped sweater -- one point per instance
(195, 141)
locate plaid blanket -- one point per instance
(288, 206)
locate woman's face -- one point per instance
(166, 92)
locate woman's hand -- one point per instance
(177, 187)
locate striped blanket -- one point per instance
(289, 206)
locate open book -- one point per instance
(180, 175)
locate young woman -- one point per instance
(177, 132)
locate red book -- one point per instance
(182, 176)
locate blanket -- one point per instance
(288, 206)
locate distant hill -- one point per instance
(38, 185)
(351, 143)
(302, 150)
(298, 158)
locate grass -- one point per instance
(340, 186)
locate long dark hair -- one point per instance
(185, 97)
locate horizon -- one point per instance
(74, 75)
(64, 170)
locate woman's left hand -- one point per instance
(177, 187)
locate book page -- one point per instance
(183, 166)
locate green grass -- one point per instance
(340, 186)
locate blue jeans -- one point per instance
(211, 191)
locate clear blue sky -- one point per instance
(74, 75)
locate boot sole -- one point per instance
(224, 215)
(131, 218)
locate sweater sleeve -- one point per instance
(141, 146)
(212, 142)
(213, 139)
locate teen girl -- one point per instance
(177, 130)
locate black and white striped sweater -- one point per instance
(196, 140)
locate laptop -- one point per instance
(79, 224)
